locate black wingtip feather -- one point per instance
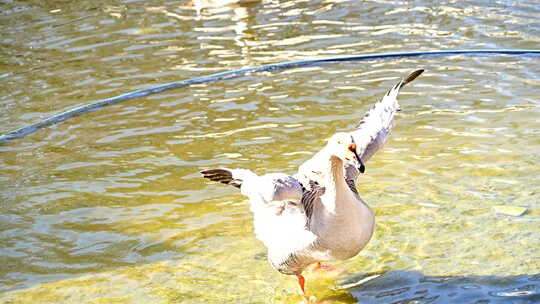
(222, 176)
(411, 77)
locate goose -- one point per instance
(317, 214)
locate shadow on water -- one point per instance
(406, 287)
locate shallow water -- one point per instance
(109, 207)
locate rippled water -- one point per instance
(109, 207)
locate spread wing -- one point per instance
(375, 127)
(369, 136)
(272, 192)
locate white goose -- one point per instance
(316, 215)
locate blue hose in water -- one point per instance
(235, 74)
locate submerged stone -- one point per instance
(510, 210)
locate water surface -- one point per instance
(109, 207)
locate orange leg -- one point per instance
(326, 268)
(301, 282)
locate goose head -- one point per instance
(342, 146)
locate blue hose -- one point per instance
(235, 74)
